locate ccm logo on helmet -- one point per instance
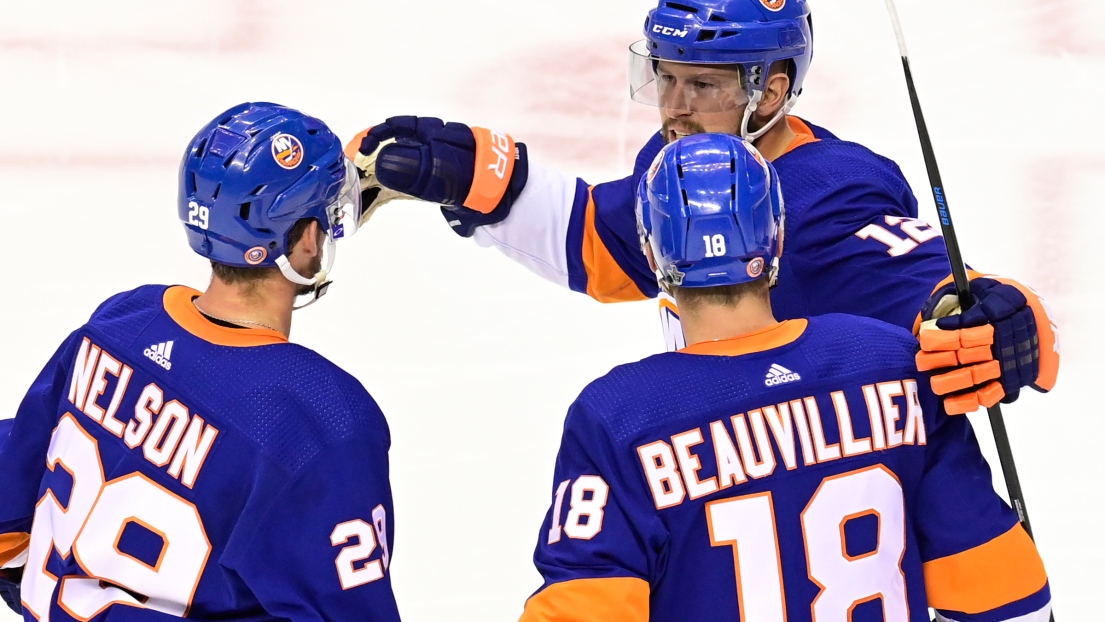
(672, 32)
(287, 150)
(774, 5)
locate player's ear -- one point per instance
(311, 242)
(651, 259)
(775, 91)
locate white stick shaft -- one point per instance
(897, 27)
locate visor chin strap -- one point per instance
(320, 283)
(753, 104)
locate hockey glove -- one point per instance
(982, 356)
(10, 578)
(475, 174)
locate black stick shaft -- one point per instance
(962, 286)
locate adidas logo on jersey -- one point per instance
(159, 353)
(780, 375)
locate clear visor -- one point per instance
(346, 212)
(686, 87)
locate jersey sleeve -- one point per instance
(23, 454)
(601, 541)
(979, 563)
(322, 549)
(859, 247)
(579, 236)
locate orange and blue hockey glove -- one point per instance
(988, 353)
(474, 173)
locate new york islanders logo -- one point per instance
(755, 267)
(774, 5)
(256, 255)
(287, 150)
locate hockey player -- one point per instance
(733, 66)
(177, 456)
(797, 470)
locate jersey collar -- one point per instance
(803, 134)
(178, 304)
(761, 341)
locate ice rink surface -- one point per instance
(473, 359)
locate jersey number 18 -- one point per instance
(747, 524)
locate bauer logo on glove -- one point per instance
(474, 173)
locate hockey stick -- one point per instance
(959, 272)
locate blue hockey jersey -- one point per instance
(853, 242)
(165, 466)
(848, 213)
(802, 473)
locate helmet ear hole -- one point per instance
(682, 7)
(243, 211)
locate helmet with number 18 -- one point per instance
(710, 213)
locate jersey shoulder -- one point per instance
(838, 179)
(666, 388)
(129, 308)
(286, 398)
(290, 400)
(841, 345)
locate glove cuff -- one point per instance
(464, 219)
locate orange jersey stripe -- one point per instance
(606, 281)
(669, 304)
(768, 339)
(12, 545)
(620, 599)
(1002, 571)
(178, 304)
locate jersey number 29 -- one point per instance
(90, 528)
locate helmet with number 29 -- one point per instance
(254, 171)
(710, 210)
(751, 34)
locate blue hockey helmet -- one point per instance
(254, 171)
(711, 211)
(750, 33)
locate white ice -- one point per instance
(474, 360)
